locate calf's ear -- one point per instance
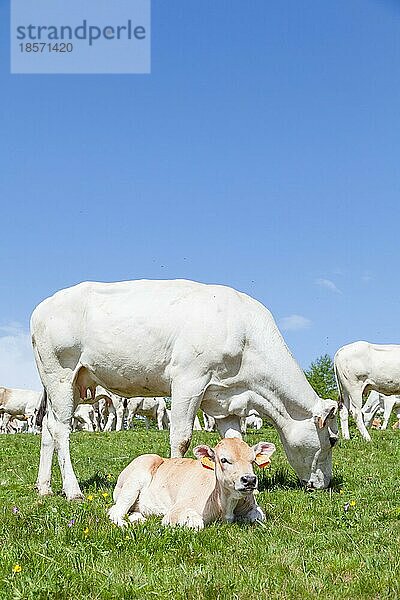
(325, 410)
(263, 451)
(206, 456)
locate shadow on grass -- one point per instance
(282, 479)
(97, 481)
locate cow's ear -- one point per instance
(263, 451)
(206, 456)
(326, 409)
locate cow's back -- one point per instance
(179, 480)
(133, 334)
(17, 401)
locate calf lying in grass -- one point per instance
(191, 492)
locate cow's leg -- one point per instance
(5, 422)
(209, 422)
(60, 411)
(165, 420)
(43, 482)
(184, 517)
(185, 402)
(229, 426)
(389, 404)
(111, 420)
(344, 422)
(160, 415)
(355, 408)
(127, 496)
(90, 426)
(120, 417)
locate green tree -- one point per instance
(322, 377)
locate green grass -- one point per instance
(308, 547)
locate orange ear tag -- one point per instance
(262, 461)
(207, 463)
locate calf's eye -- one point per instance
(225, 460)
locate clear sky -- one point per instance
(262, 152)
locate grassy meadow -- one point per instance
(341, 543)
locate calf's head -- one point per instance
(232, 460)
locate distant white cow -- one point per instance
(377, 402)
(22, 404)
(86, 418)
(193, 493)
(112, 409)
(252, 420)
(150, 408)
(359, 368)
(13, 425)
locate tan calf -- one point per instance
(191, 492)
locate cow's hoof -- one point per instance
(116, 517)
(44, 490)
(74, 496)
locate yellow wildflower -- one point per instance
(86, 531)
(105, 494)
(17, 569)
(90, 497)
(341, 492)
(352, 502)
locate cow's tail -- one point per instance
(339, 385)
(42, 409)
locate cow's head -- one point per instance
(308, 444)
(233, 460)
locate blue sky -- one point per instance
(262, 152)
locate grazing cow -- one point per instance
(86, 418)
(253, 420)
(377, 402)
(150, 408)
(22, 404)
(203, 345)
(359, 368)
(191, 492)
(112, 410)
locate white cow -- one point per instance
(193, 493)
(150, 408)
(112, 409)
(203, 345)
(359, 368)
(86, 418)
(252, 421)
(22, 404)
(377, 402)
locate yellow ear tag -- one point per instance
(207, 463)
(262, 461)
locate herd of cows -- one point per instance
(107, 352)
